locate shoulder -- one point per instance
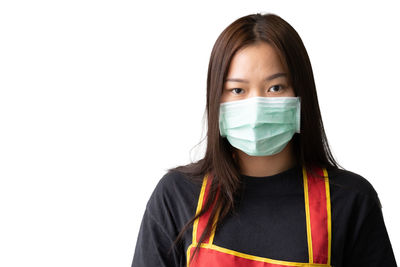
(350, 185)
(174, 198)
(174, 183)
(348, 180)
(357, 219)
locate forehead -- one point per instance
(256, 57)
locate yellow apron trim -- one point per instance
(199, 204)
(252, 257)
(214, 227)
(328, 209)
(309, 239)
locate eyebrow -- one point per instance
(273, 76)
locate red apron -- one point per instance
(318, 221)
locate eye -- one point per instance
(235, 90)
(275, 88)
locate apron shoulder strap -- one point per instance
(318, 214)
(200, 223)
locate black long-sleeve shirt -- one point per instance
(269, 222)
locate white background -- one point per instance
(99, 98)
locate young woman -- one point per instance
(268, 191)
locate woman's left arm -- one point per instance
(369, 243)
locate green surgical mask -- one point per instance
(260, 126)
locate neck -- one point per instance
(260, 166)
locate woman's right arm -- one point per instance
(152, 245)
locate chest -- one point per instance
(291, 229)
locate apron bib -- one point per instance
(318, 221)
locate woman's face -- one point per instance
(256, 70)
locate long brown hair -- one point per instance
(310, 147)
